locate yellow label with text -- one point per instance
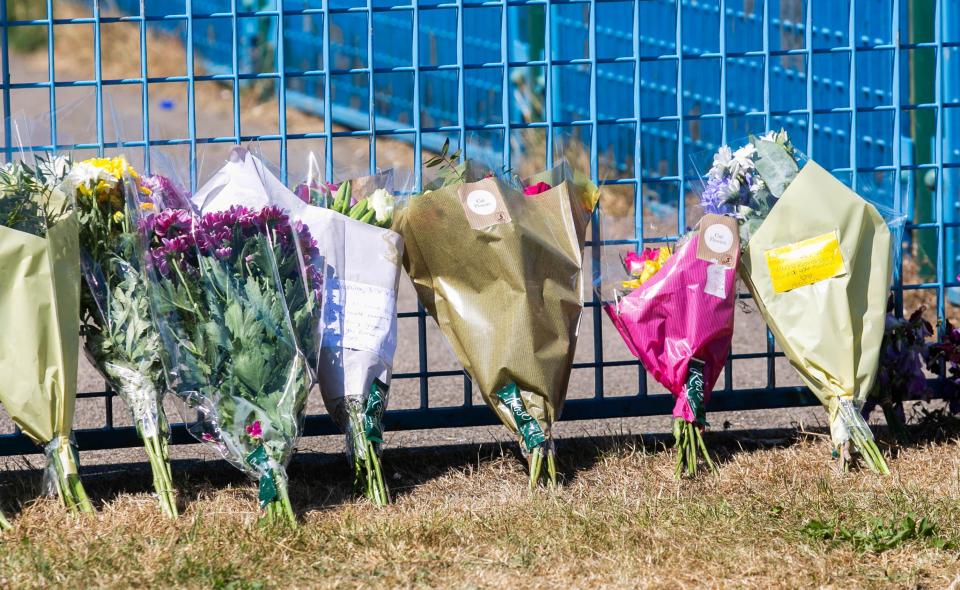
(805, 263)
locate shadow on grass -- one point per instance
(321, 481)
(928, 425)
(580, 455)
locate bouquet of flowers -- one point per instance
(818, 260)
(236, 296)
(498, 265)
(900, 377)
(39, 312)
(675, 313)
(117, 331)
(361, 268)
(363, 258)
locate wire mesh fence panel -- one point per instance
(627, 88)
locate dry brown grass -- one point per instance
(464, 519)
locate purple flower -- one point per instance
(171, 222)
(717, 195)
(303, 192)
(306, 190)
(902, 356)
(272, 216)
(165, 193)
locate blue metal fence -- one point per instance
(642, 83)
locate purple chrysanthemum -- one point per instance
(164, 193)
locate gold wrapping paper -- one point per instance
(508, 297)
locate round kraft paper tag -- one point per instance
(481, 202)
(719, 238)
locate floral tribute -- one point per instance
(237, 294)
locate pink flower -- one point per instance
(634, 261)
(536, 189)
(255, 431)
(303, 192)
(650, 254)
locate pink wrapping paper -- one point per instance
(670, 319)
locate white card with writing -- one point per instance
(367, 316)
(716, 284)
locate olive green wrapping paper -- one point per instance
(831, 330)
(508, 297)
(40, 343)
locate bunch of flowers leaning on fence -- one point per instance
(818, 260)
(675, 313)
(116, 326)
(39, 312)
(497, 262)
(363, 264)
(361, 269)
(236, 296)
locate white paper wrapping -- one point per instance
(359, 326)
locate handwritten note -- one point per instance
(367, 316)
(805, 263)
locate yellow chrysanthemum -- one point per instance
(115, 167)
(148, 206)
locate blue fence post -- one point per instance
(949, 178)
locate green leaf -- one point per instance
(776, 166)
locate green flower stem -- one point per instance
(690, 447)
(367, 470)
(536, 460)
(280, 510)
(156, 448)
(535, 457)
(186, 288)
(552, 467)
(69, 487)
(862, 440)
(79, 494)
(871, 453)
(4, 523)
(381, 493)
(61, 482)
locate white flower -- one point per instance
(744, 157)
(756, 184)
(733, 186)
(721, 162)
(84, 174)
(776, 136)
(382, 204)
